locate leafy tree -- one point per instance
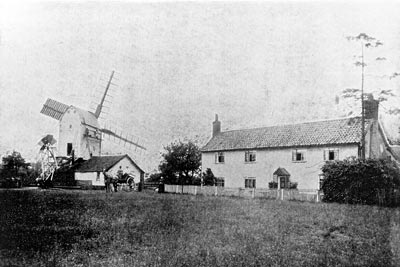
(181, 163)
(154, 178)
(208, 177)
(13, 164)
(357, 94)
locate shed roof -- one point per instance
(327, 132)
(97, 164)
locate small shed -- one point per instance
(90, 172)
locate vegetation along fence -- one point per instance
(281, 194)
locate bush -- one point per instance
(355, 181)
(208, 177)
(273, 185)
(293, 185)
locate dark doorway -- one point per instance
(69, 149)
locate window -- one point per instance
(69, 149)
(220, 181)
(250, 156)
(331, 154)
(321, 180)
(219, 157)
(98, 177)
(250, 182)
(298, 155)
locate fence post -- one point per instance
(216, 190)
(253, 193)
(195, 190)
(177, 189)
(282, 194)
(317, 199)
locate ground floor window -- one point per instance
(250, 182)
(321, 181)
(98, 177)
(220, 181)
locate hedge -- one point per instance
(355, 181)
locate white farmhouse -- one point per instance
(295, 153)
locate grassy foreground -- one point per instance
(90, 228)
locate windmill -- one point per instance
(80, 134)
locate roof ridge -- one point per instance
(291, 124)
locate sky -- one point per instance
(178, 64)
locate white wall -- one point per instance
(90, 176)
(127, 167)
(235, 169)
(72, 131)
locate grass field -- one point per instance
(90, 228)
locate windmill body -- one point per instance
(79, 134)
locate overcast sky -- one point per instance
(177, 64)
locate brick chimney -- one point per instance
(216, 126)
(371, 107)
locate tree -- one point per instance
(12, 164)
(358, 94)
(367, 42)
(181, 163)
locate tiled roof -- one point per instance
(97, 164)
(328, 132)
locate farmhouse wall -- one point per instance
(375, 146)
(306, 173)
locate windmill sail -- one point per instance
(100, 106)
(54, 109)
(124, 139)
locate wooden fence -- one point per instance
(281, 194)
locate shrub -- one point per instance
(355, 181)
(293, 185)
(208, 177)
(273, 185)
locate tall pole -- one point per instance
(362, 104)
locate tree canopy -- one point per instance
(12, 163)
(181, 163)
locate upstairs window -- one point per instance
(250, 182)
(250, 156)
(298, 155)
(331, 154)
(219, 157)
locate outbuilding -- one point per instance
(90, 172)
